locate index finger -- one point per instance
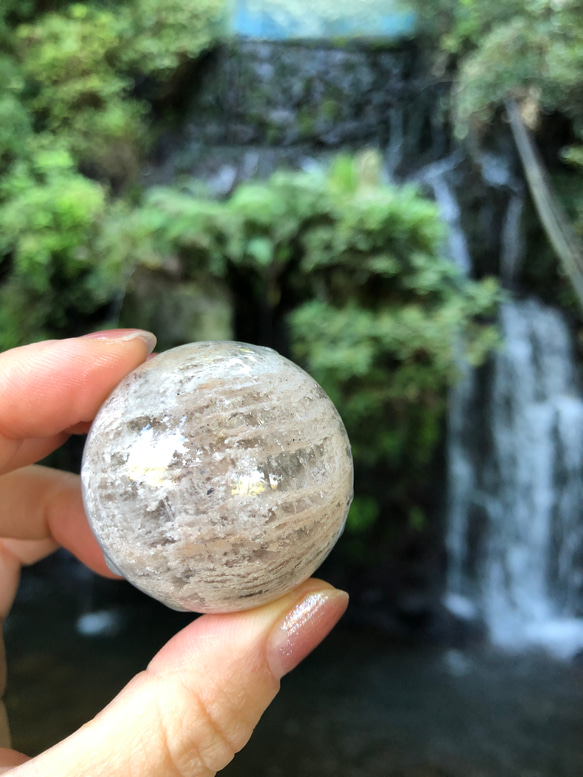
(49, 387)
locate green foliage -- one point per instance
(15, 121)
(573, 156)
(72, 138)
(537, 55)
(159, 36)
(74, 89)
(372, 309)
(79, 65)
(49, 219)
(49, 209)
(511, 48)
(458, 26)
(14, 125)
(530, 51)
(364, 514)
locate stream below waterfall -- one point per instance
(363, 705)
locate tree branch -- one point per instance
(559, 231)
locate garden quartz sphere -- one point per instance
(217, 476)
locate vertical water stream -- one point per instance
(515, 463)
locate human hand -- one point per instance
(200, 697)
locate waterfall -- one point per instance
(515, 472)
(438, 177)
(515, 452)
(498, 174)
(512, 244)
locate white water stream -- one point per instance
(516, 486)
(515, 463)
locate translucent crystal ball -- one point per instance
(217, 476)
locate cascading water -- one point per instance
(437, 176)
(515, 458)
(516, 486)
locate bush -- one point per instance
(73, 136)
(348, 275)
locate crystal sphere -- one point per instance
(217, 476)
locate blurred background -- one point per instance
(389, 192)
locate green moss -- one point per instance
(306, 123)
(178, 310)
(330, 109)
(272, 135)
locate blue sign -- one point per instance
(301, 19)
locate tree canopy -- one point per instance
(76, 122)
(527, 54)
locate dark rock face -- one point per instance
(178, 309)
(276, 94)
(259, 105)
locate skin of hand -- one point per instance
(197, 702)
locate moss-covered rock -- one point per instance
(179, 310)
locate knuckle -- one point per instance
(193, 741)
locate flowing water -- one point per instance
(515, 455)
(438, 176)
(516, 485)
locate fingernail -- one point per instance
(124, 335)
(303, 628)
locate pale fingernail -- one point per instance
(303, 628)
(124, 335)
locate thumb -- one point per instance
(201, 696)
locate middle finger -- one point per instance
(38, 503)
(15, 454)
